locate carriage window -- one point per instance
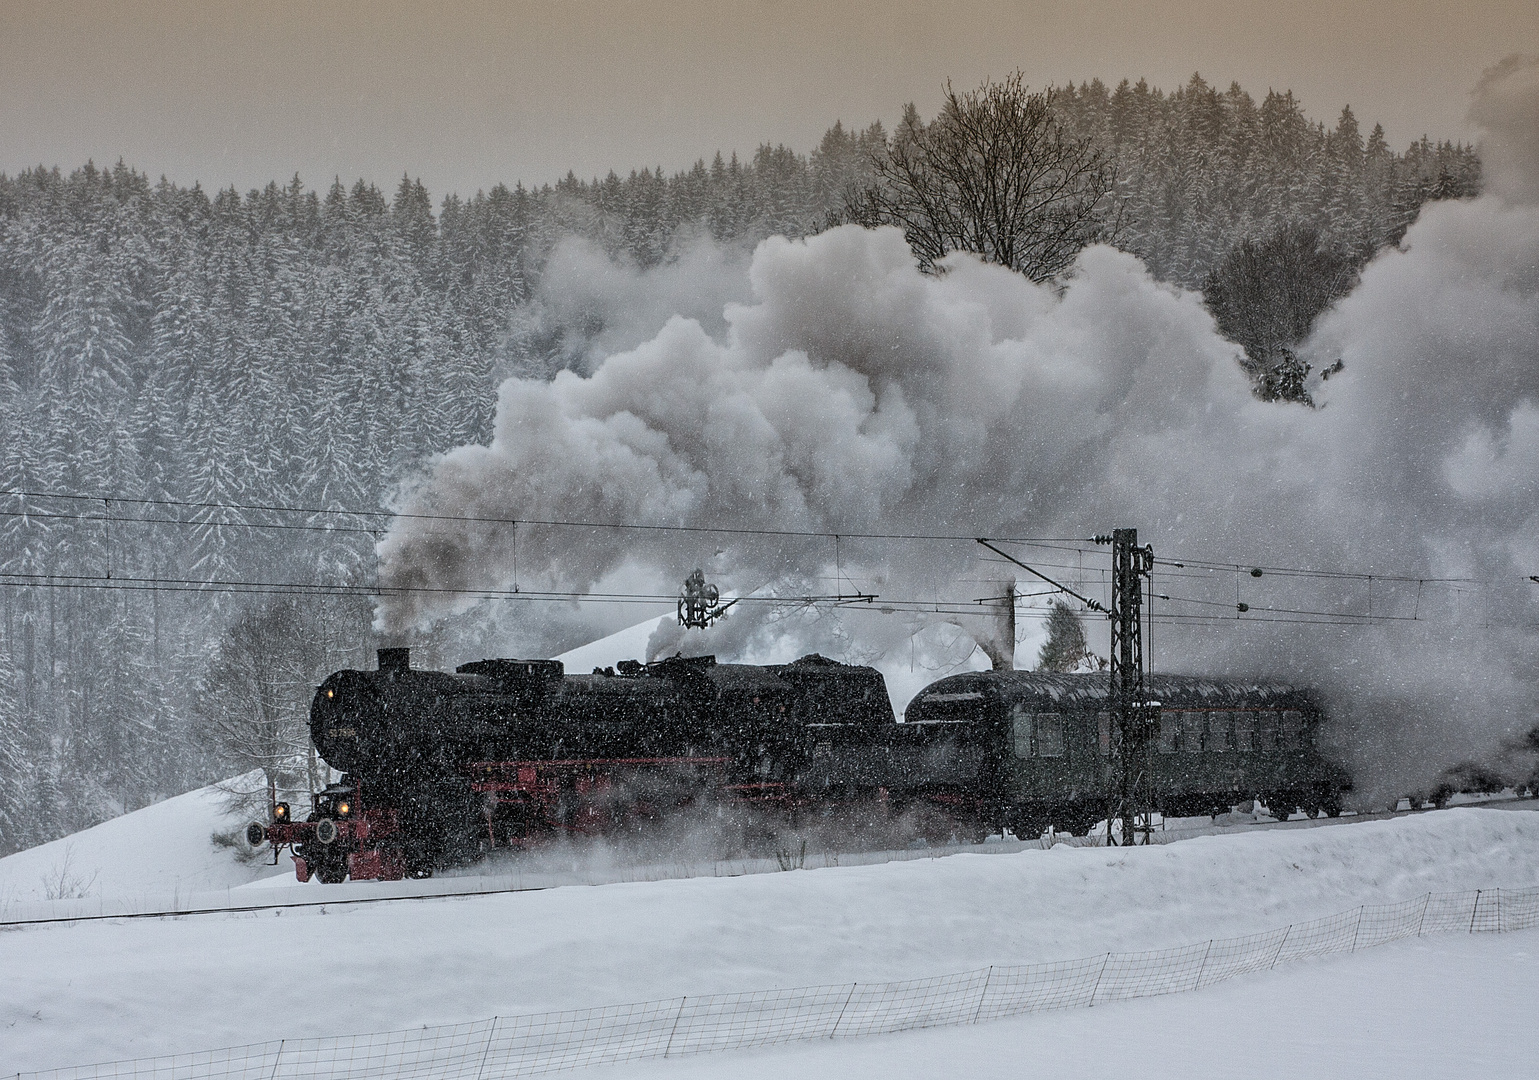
(1292, 729)
(1170, 729)
(1267, 730)
(1191, 732)
(1244, 730)
(1049, 735)
(1103, 724)
(1020, 730)
(1218, 732)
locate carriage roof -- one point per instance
(1077, 692)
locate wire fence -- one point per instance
(515, 1046)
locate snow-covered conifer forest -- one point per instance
(178, 360)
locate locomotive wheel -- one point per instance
(1028, 828)
(1076, 824)
(418, 865)
(331, 872)
(974, 830)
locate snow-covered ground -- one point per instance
(163, 850)
(104, 990)
(1438, 1008)
(110, 989)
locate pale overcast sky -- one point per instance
(465, 94)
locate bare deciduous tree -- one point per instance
(1265, 297)
(255, 706)
(997, 174)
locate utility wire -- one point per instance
(812, 534)
(868, 602)
(1203, 568)
(1293, 571)
(1072, 544)
(1089, 603)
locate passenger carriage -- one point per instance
(1044, 745)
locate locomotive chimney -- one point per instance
(396, 660)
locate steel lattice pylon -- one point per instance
(1134, 718)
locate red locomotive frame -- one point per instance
(524, 803)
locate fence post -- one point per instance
(1205, 953)
(1422, 922)
(1280, 945)
(1104, 961)
(674, 1030)
(278, 1057)
(842, 1009)
(981, 997)
(1474, 911)
(1358, 929)
(487, 1049)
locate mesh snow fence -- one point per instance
(513, 1046)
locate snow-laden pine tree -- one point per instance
(1066, 648)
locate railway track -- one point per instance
(249, 901)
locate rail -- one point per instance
(23, 913)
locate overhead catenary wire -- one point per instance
(390, 515)
(1093, 605)
(343, 589)
(1074, 544)
(1296, 571)
(1186, 567)
(872, 602)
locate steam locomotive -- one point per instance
(440, 768)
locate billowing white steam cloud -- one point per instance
(851, 394)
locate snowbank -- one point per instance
(98, 991)
(1450, 1007)
(627, 644)
(161, 849)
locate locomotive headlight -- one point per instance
(331, 695)
(281, 812)
(343, 808)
